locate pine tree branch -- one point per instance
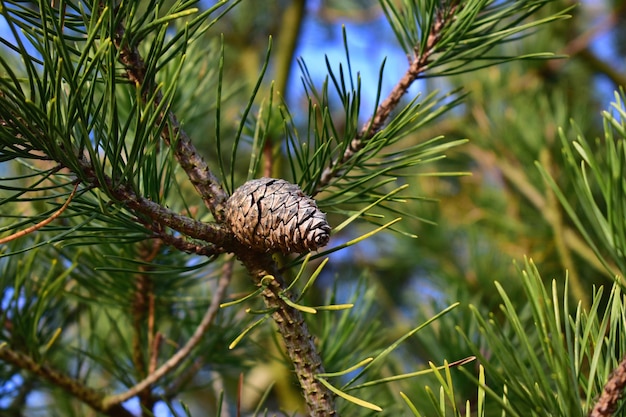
(142, 310)
(180, 243)
(202, 178)
(294, 331)
(184, 352)
(612, 392)
(42, 223)
(418, 65)
(216, 235)
(72, 386)
(212, 233)
(154, 343)
(298, 341)
(208, 232)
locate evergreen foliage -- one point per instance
(126, 288)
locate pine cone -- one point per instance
(271, 215)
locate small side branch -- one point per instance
(184, 352)
(74, 387)
(181, 243)
(295, 334)
(418, 65)
(42, 223)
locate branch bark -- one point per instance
(208, 232)
(299, 342)
(142, 311)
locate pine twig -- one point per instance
(239, 392)
(74, 387)
(295, 334)
(42, 223)
(181, 243)
(612, 392)
(208, 232)
(417, 67)
(189, 247)
(184, 352)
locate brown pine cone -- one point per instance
(271, 215)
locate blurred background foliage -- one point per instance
(472, 228)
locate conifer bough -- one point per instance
(269, 214)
